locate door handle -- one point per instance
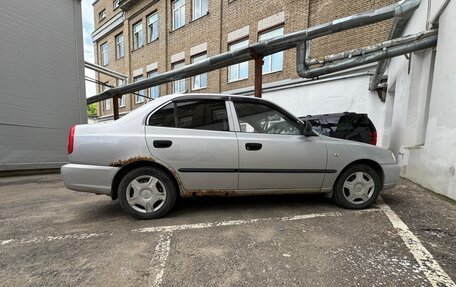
(162, 144)
(253, 146)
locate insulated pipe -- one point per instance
(371, 48)
(398, 27)
(264, 48)
(387, 53)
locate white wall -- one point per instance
(423, 132)
(333, 96)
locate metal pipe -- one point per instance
(264, 48)
(398, 27)
(434, 21)
(105, 71)
(258, 76)
(115, 106)
(384, 54)
(371, 48)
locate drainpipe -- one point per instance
(397, 29)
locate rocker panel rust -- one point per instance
(121, 163)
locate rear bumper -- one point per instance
(391, 174)
(88, 178)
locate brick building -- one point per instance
(142, 37)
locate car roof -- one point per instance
(208, 96)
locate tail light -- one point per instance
(70, 142)
(373, 137)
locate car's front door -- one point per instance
(273, 153)
(194, 138)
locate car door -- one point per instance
(194, 138)
(273, 153)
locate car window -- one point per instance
(203, 115)
(316, 125)
(260, 118)
(163, 117)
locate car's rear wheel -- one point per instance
(147, 193)
(357, 187)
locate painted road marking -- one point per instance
(158, 261)
(434, 273)
(171, 228)
(40, 239)
(180, 227)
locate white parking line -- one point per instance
(40, 239)
(434, 273)
(158, 261)
(171, 228)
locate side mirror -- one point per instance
(307, 129)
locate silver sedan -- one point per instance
(201, 144)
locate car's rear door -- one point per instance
(273, 153)
(193, 137)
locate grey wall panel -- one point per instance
(42, 88)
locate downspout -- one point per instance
(397, 29)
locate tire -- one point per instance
(147, 193)
(357, 187)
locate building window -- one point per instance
(239, 71)
(139, 95)
(137, 36)
(153, 91)
(272, 63)
(178, 14)
(122, 98)
(115, 4)
(199, 8)
(102, 15)
(152, 27)
(104, 56)
(199, 81)
(179, 85)
(120, 50)
(107, 104)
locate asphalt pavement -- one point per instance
(52, 236)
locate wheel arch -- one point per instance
(136, 164)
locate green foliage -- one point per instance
(92, 110)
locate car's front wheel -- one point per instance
(357, 187)
(147, 193)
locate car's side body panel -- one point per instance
(202, 159)
(283, 162)
(341, 153)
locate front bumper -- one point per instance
(88, 178)
(391, 174)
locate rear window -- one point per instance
(198, 114)
(202, 115)
(163, 117)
